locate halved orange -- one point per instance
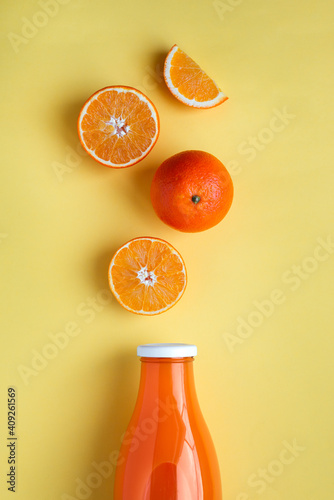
(189, 83)
(147, 276)
(118, 126)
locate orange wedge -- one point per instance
(118, 126)
(189, 83)
(147, 276)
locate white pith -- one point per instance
(153, 114)
(190, 102)
(147, 278)
(142, 311)
(120, 127)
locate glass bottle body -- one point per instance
(167, 452)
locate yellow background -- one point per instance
(63, 216)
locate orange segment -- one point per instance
(118, 126)
(189, 83)
(147, 276)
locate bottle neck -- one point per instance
(169, 381)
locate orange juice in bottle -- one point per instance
(167, 452)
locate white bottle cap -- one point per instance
(166, 350)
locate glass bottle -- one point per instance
(167, 452)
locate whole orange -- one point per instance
(192, 191)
